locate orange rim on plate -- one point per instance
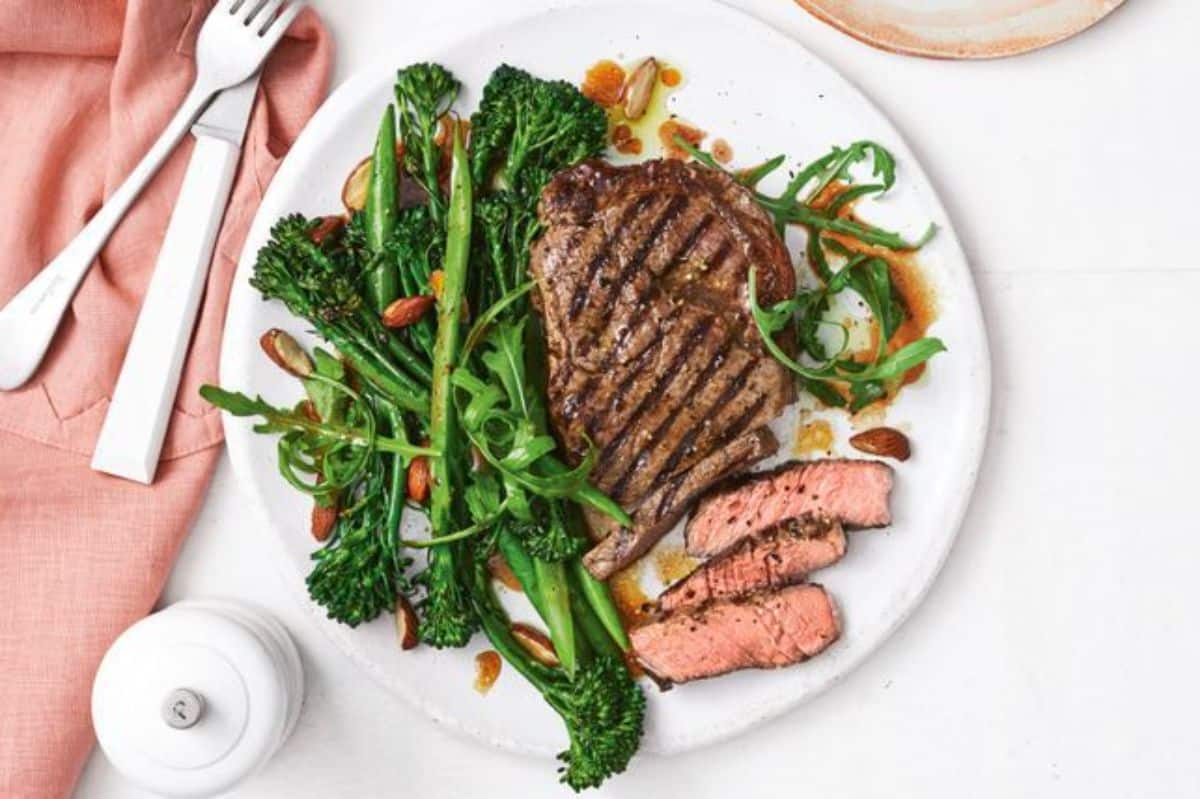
(983, 29)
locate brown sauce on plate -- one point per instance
(631, 600)
(604, 83)
(487, 670)
(908, 278)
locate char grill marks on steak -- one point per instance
(772, 558)
(654, 359)
(855, 492)
(762, 630)
(658, 511)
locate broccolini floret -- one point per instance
(528, 128)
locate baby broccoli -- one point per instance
(424, 94)
(602, 706)
(529, 128)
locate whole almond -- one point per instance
(309, 410)
(535, 643)
(323, 520)
(886, 442)
(478, 462)
(418, 479)
(406, 623)
(639, 88)
(354, 190)
(406, 310)
(499, 569)
(286, 352)
(326, 228)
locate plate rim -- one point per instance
(893, 38)
(341, 100)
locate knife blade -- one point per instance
(138, 414)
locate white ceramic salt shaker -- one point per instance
(195, 698)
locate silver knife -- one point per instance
(140, 410)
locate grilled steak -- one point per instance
(658, 512)
(761, 631)
(653, 357)
(777, 556)
(853, 491)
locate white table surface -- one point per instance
(1057, 654)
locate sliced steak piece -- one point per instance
(780, 555)
(653, 357)
(759, 631)
(657, 513)
(853, 491)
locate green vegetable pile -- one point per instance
(797, 322)
(435, 402)
(460, 393)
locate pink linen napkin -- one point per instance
(85, 87)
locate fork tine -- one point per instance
(264, 15)
(275, 29)
(246, 9)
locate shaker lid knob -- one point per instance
(182, 708)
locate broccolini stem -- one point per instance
(595, 634)
(381, 209)
(552, 587)
(403, 390)
(445, 349)
(398, 484)
(600, 600)
(448, 617)
(499, 634)
(522, 566)
(410, 360)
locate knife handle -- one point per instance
(132, 436)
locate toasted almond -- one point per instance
(498, 567)
(287, 354)
(309, 410)
(418, 479)
(323, 520)
(639, 88)
(406, 623)
(442, 135)
(478, 462)
(883, 441)
(354, 190)
(407, 310)
(535, 643)
(444, 139)
(326, 228)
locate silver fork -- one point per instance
(234, 41)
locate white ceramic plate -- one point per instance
(961, 28)
(733, 67)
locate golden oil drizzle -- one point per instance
(814, 436)
(604, 83)
(672, 562)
